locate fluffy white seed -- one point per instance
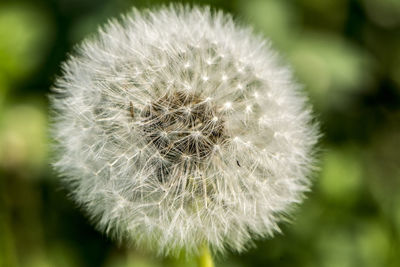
(177, 127)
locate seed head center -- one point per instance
(183, 125)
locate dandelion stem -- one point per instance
(205, 258)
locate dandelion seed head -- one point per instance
(176, 127)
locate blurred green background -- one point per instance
(345, 52)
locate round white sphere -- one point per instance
(176, 128)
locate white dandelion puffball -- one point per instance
(177, 128)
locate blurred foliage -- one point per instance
(345, 52)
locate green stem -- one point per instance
(205, 258)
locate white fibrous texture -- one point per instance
(176, 128)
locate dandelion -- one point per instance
(177, 128)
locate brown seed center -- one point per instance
(183, 126)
